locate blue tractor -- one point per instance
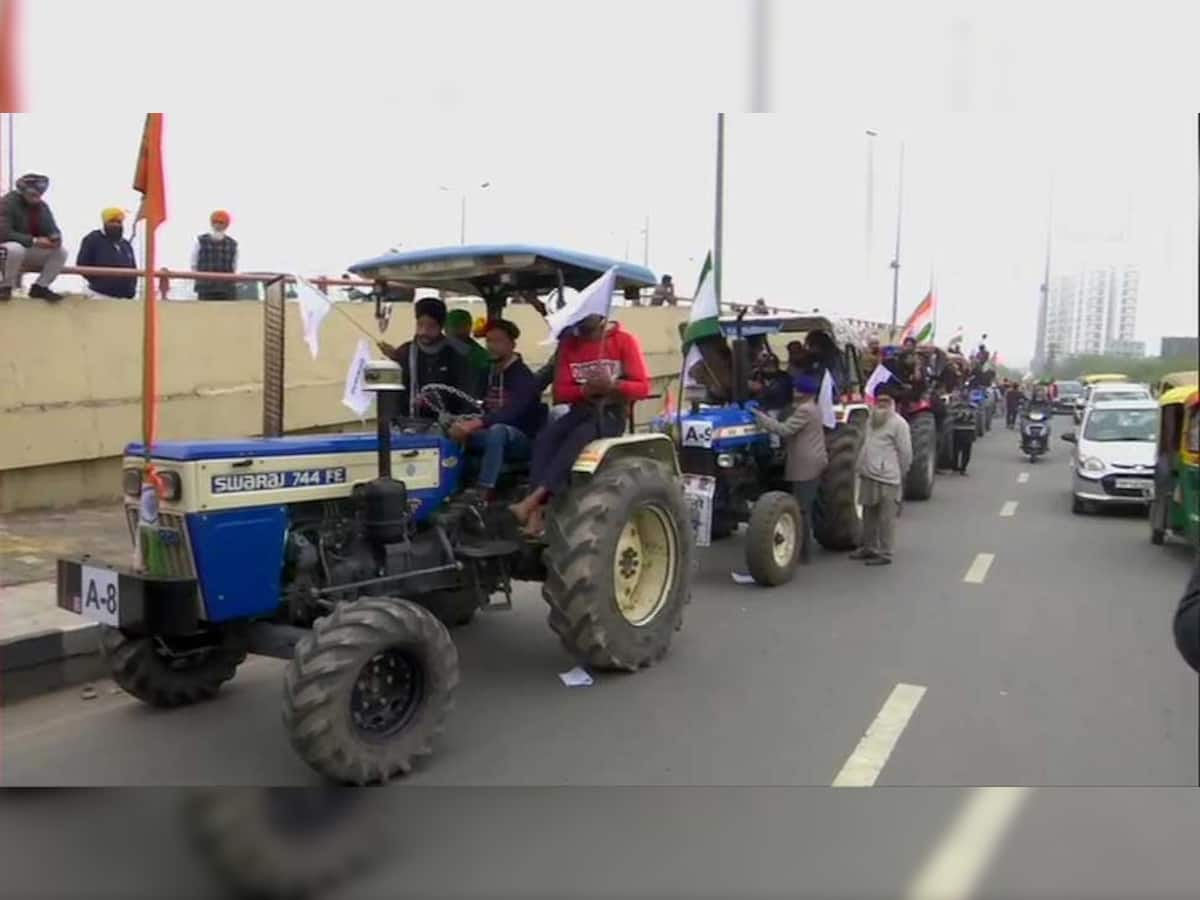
(348, 554)
(734, 468)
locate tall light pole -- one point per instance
(1042, 354)
(720, 205)
(462, 212)
(871, 135)
(646, 243)
(760, 57)
(896, 259)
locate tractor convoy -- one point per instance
(351, 555)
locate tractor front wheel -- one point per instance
(369, 689)
(837, 521)
(167, 673)
(618, 565)
(773, 538)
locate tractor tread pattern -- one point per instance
(141, 672)
(837, 525)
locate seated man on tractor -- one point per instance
(514, 412)
(714, 370)
(600, 371)
(430, 358)
(770, 385)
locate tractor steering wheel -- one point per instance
(435, 397)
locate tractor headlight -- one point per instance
(725, 460)
(172, 485)
(131, 482)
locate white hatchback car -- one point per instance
(1113, 462)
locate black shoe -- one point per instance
(37, 292)
(879, 561)
(861, 554)
(5, 293)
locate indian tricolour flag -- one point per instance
(704, 319)
(920, 323)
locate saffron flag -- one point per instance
(920, 325)
(148, 180)
(10, 80)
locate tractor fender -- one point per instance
(657, 447)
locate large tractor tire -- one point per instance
(161, 673)
(369, 689)
(945, 453)
(287, 842)
(773, 538)
(837, 522)
(919, 484)
(618, 565)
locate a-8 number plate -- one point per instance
(99, 595)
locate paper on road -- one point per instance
(577, 677)
(741, 578)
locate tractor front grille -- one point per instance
(172, 531)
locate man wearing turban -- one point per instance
(30, 239)
(431, 358)
(216, 251)
(107, 247)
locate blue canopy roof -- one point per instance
(507, 268)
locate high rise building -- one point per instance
(1180, 348)
(1091, 311)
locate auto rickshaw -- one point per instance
(1177, 379)
(1176, 506)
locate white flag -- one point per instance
(825, 401)
(881, 375)
(314, 307)
(594, 300)
(693, 357)
(354, 396)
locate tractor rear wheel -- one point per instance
(919, 484)
(837, 522)
(618, 565)
(773, 538)
(369, 689)
(161, 672)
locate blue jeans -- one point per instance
(498, 443)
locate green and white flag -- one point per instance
(703, 321)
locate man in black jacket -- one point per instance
(514, 412)
(30, 239)
(1187, 622)
(107, 247)
(437, 361)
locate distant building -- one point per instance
(1180, 348)
(1090, 311)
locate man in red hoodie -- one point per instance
(600, 371)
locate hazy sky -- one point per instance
(327, 129)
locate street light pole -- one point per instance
(646, 244)
(760, 59)
(462, 221)
(720, 205)
(896, 259)
(871, 135)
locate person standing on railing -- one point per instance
(107, 247)
(30, 239)
(216, 251)
(664, 293)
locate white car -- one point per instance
(1113, 462)
(1106, 391)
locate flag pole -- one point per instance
(896, 260)
(718, 261)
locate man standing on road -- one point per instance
(30, 239)
(806, 452)
(963, 415)
(883, 463)
(1012, 404)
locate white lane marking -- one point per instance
(1009, 509)
(868, 759)
(954, 868)
(979, 568)
(1023, 478)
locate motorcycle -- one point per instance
(1035, 432)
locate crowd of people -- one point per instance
(597, 370)
(31, 242)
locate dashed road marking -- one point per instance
(1009, 509)
(1023, 478)
(979, 568)
(869, 757)
(959, 860)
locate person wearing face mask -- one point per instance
(216, 252)
(108, 248)
(883, 463)
(30, 239)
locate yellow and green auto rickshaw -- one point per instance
(1177, 379)
(1176, 507)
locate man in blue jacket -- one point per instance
(107, 247)
(514, 411)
